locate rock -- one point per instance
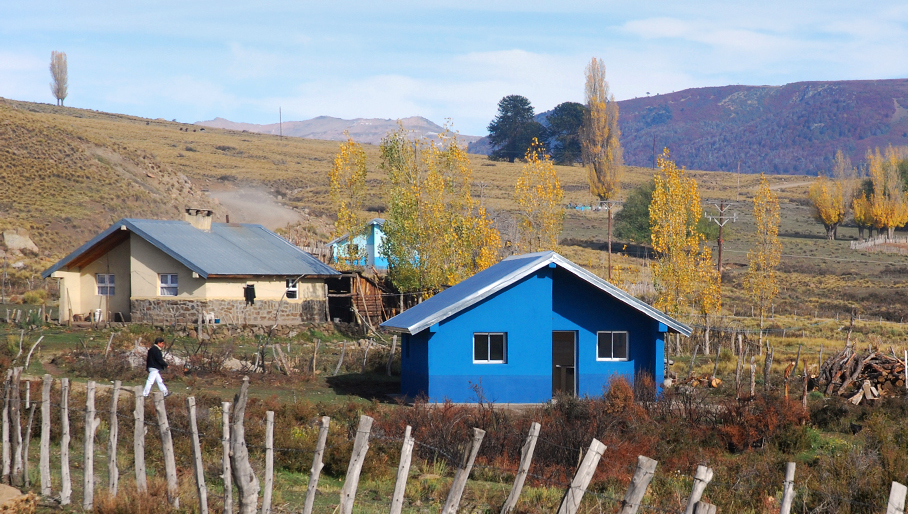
(18, 265)
(193, 334)
(232, 364)
(12, 500)
(17, 242)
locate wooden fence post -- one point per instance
(360, 447)
(88, 445)
(66, 484)
(340, 362)
(703, 477)
(225, 457)
(197, 464)
(314, 362)
(44, 462)
(753, 376)
(403, 471)
(646, 469)
(170, 465)
(896, 503)
(317, 465)
(113, 472)
(526, 458)
(138, 439)
(463, 473)
(269, 462)
(704, 508)
(26, 479)
(788, 491)
(391, 355)
(572, 497)
(247, 484)
(366, 355)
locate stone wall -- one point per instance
(233, 312)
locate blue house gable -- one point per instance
(528, 328)
(371, 242)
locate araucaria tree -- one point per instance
(564, 126)
(831, 196)
(59, 75)
(889, 202)
(684, 275)
(347, 179)
(540, 198)
(600, 141)
(435, 233)
(761, 281)
(513, 129)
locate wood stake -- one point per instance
(788, 489)
(26, 479)
(66, 485)
(225, 457)
(247, 484)
(526, 458)
(896, 503)
(572, 497)
(317, 465)
(138, 439)
(88, 452)
(340, 362)
(16, 420)
(113, 472)
(366, 355)
(44, 462)
(704, 508)
(314, 361)
(646, 469)
(702, 478)
(269, 462)
(403, 471)
(197, 465)
(463, 473)
(6, 427)
(170, 465)
(753, 376)
(391, 355)
(360, 447)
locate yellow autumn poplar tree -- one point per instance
(889, 202)
(862, 214)
(435, 233)
(539, 198)
(600, 141)
(761, 281)
(347, 180)
(684, 274)
(831, 197)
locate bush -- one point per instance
(35, 297)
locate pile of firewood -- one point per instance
(862, 376)
(701, 381)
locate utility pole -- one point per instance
(280, 123)
(721, 220)
(608, 205)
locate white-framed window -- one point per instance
(168, 284)
(293, 291)
(611, 346)
(105, 284)
(490, 348)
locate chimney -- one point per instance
(198, 218)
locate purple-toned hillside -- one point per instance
(789, 129)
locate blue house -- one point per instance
(526, 329)
(370, 242)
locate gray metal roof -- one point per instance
(495, 278)
(227, 249)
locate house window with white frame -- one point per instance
(611, 346)
(105, 284)
(168, 284)
(292, 289)
(490, 348)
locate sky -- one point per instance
(446, 61)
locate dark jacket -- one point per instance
(155, 358)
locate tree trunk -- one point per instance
(830, 231)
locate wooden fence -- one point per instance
(236, 468)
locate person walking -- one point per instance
(155, 364)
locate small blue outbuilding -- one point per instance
(370, 243)
(526, 329)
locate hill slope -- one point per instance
(790, 129)
(362, 130)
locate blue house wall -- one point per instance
(438, 361)
(372, 243)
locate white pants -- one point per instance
(154, 375)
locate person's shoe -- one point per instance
(168, 393)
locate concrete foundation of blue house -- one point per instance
(438, 362)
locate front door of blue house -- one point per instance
(564, 364)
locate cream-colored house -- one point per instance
(168, 271)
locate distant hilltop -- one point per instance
(790, 129)
(362, 130)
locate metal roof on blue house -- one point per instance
(495, 278)
(228, 249)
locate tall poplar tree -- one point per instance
(347, 180)
(761, 281)
(59, 75)
(540, 199)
